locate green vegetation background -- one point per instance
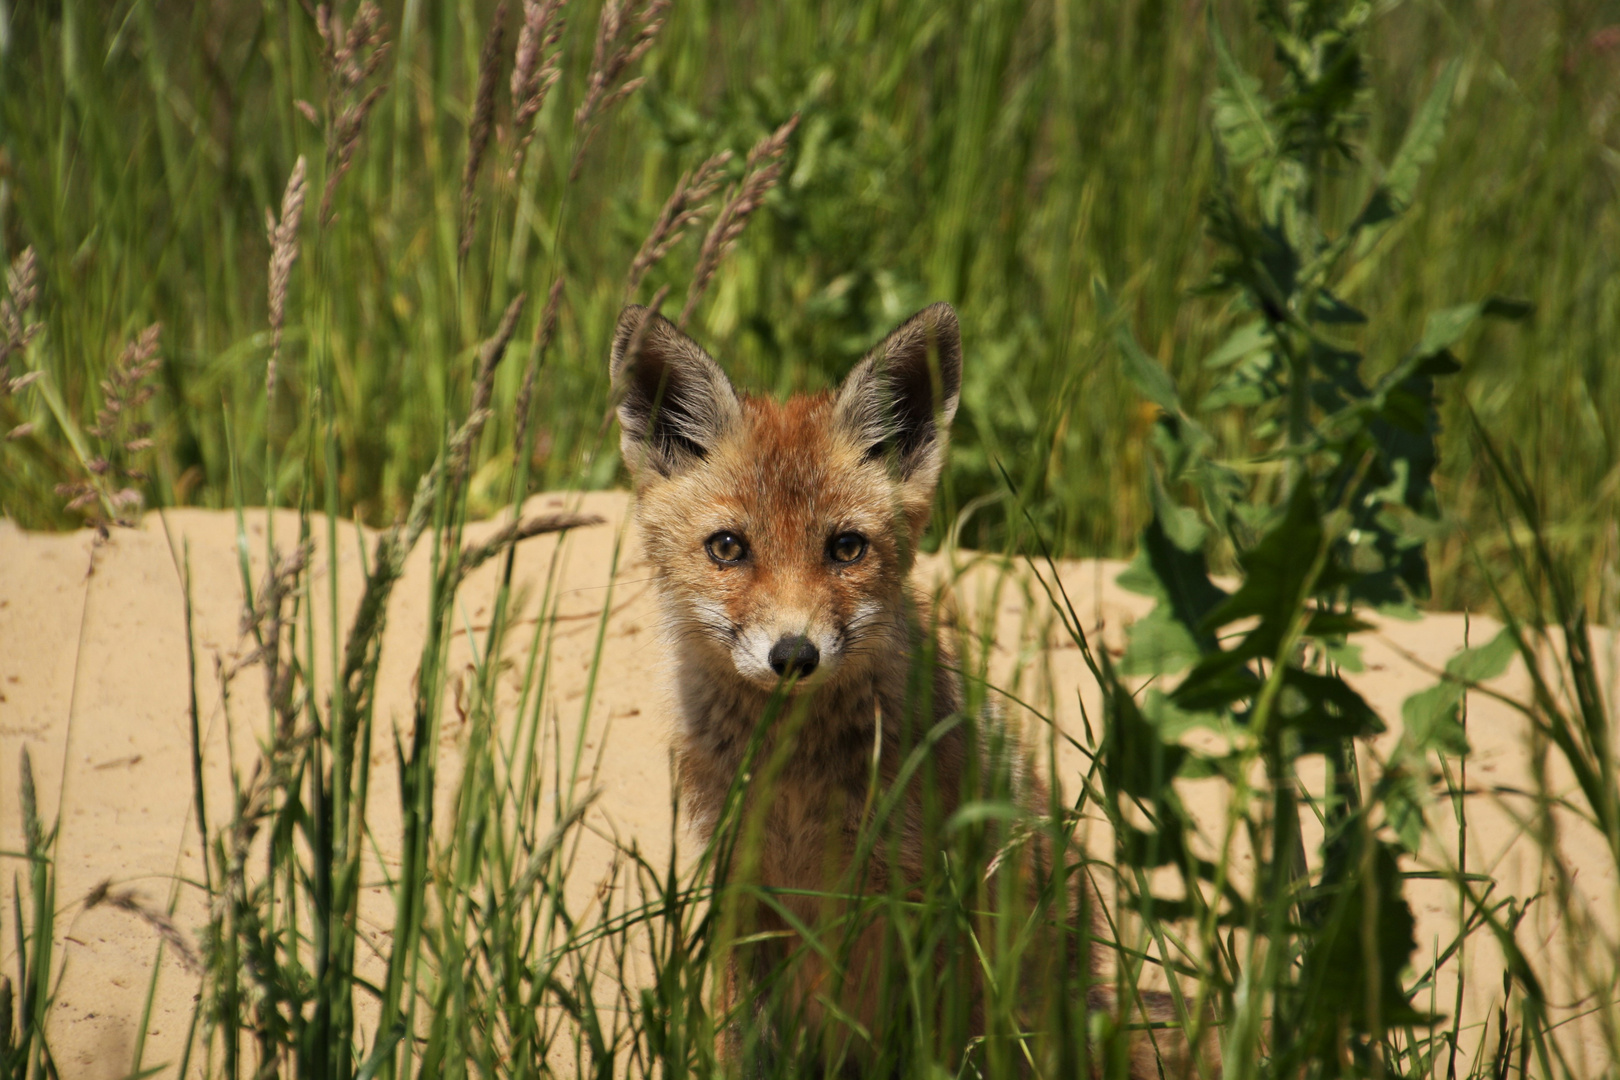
(997, 154)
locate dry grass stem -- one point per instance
(544, 330)
(483, 122)
(283, 236)
(473, 557)
(621, 40)
(535, 69)
(351, 59)
(128, 900)
(687, 206)
(761, 174)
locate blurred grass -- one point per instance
(995, 154)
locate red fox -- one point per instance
(783, 536)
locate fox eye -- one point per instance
(726, 548)
(846, 547)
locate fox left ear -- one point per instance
(675, 404)
(900, 399)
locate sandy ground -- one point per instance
(94, 685)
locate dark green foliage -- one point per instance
(1338, 520)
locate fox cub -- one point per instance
(783, 536)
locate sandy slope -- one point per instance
(93, 683)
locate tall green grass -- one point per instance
(1049, 169)
(998, 155)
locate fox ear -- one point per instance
(900, 399)
(674, 401)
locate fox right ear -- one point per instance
(674, 401)
(899, 401)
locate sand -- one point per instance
(94, 686)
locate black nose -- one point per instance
(794, 655)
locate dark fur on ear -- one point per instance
(900, 399)
(675, 403)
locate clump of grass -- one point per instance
(26, 1005)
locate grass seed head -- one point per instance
(283, 237)
(483, 122)
(351, 59)
(621, 41)
(535, 69)
(109, 488)
(22, 290)
(760, 175)
(687, 205)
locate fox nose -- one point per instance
(794, 655)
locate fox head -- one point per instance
(783, 533)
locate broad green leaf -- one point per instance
(1276, 570)
(1241, 125)
(1325, 708)
(1357, 955)
(1219, 681)
(1417, 152)
(1180, 523)
(1431, 716)
(1138, 761)
(1157, 644)
(1172, 637)
(1246, 386)
(1487, 661)
(1421, 144)
(1146, 374)
(1445, 328)
(1406, 797)
(1246, 339)
(1344, 655)
(1171, 719)
(1430, 719)
(1162, 845)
